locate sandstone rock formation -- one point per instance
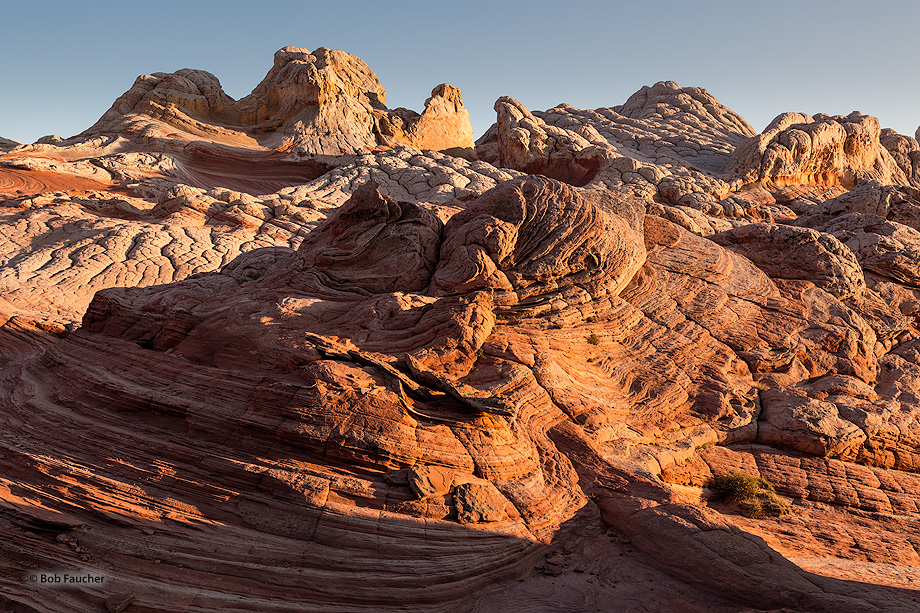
(7, 144)
(666, 140)
(297, 352)
(679, 145)
(325, 102)
(313, 112)
(790, 252)
(798, 148)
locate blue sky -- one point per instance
(64, 63)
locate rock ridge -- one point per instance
(320, 103)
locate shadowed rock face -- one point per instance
(401, 373)
(240, 371)
(7, 144)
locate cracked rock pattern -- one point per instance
(57, 251)
(405, 174)
(665, 140)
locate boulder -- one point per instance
(427, 481)
(788, 252)
(479, 502)
(793, 421)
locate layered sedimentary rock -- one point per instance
(325, 102)
(294, 352)
(390, 342)
(797, 148)
(7, 144)
(665, 140)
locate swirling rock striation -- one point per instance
(440, 386)
(290, 352)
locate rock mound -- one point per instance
(666, 140)
(324, 102)
(7, 144)
(799, 149)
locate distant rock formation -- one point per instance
(666, 140)
(324, 102)
(800, 149)
(7, 144)
(682, 146)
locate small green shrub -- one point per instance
(594, 339)
(754, 496)
(735, 487)
(773, 505)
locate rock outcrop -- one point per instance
(665, 140)
(298, 351)
(790, 252)
(7, 144)
(681, 147)
(320, 103)
(797, 148)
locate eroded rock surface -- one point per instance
(798, 148)
(665, 140)
(325, 102)
(297, 351)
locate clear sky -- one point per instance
(64, 63)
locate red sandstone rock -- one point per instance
(342, 379)
(479, 502)
(428, 481)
